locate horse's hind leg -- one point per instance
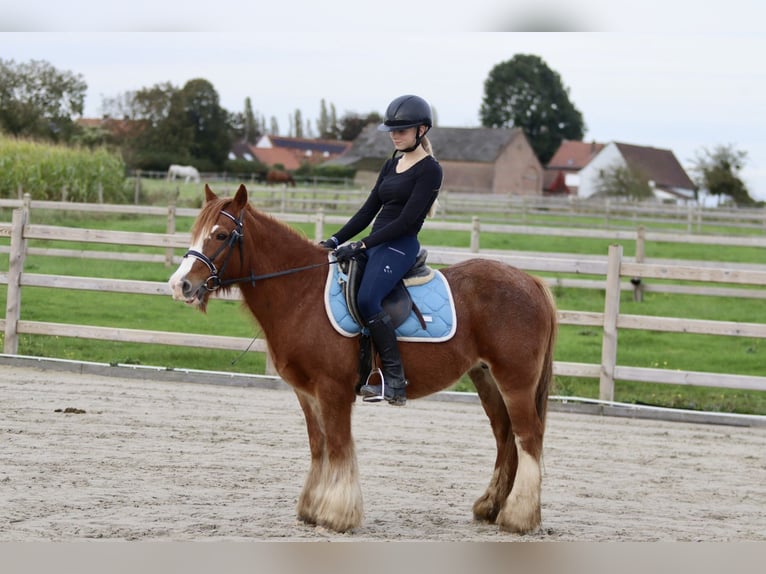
(521, 512)
(488, 505)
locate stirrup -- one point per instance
(370, 393)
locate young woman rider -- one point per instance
(406, 188)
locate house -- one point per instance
(290, 153)
(475, 160)
(561, 173)
(660, 167)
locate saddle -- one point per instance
(398, 304)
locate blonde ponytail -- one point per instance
(426, 143)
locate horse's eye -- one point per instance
(221, 236)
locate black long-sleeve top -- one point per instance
(400, 200)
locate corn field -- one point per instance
(55, 172)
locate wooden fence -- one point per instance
(320, 219)
(612, 269)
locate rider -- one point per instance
(406, 188)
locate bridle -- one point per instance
(214, 281)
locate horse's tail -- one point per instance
(545, 381)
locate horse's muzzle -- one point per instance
(185, 291)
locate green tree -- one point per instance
(622, 181)
(717, 172)
(210, 142)
(38, 100)
(524, 92)
(298, 124)
(334, 131)
(251, 128)
(323, 123)
(155, 132)
(352, 124)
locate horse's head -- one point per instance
(215, 252)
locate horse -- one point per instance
(188, 172)
(277, 176)
(504, 339)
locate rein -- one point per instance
(214, 282)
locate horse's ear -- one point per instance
(240, 198)
(209, 195)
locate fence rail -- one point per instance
(613, 269)
(578, 212)
(474, 229)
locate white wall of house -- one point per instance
(589, 176)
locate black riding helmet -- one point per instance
(407, 111)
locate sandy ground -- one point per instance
(168, 461)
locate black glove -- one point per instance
(346, 252)
(330, 243)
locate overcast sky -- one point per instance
(676, 77)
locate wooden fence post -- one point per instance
(475, 232)
(171, 229)
(611, 312)
(689, 218)
(137, 188)
(637, 282)
(15, 267)
(319, 225)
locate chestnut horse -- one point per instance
(276, 176)
(506, 330)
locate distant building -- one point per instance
(474, 160)
(563, 169)
(290, 153)
(661, 168)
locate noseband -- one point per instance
(214, 281)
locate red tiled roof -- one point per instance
(273, 156)
(574, 155)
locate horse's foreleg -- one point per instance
(488, 505)
(332, 495)
(339, 496)
(306, 507)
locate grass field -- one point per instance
(578, 344)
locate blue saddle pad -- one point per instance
(433, 298)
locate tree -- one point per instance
(166, 125)
(210, 140)
(524, 92)
(38, 100)
(155, 132)
(334, 131)
(298, 124)
(717, 171)
(622, 181)
(352, 124)
(251, 128)
(323, 123)
(273, 126)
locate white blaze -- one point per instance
(176, 280)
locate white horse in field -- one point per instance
(188, 172)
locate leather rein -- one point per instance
(214, 281)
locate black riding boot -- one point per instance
(393, 384)
(365, 362)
